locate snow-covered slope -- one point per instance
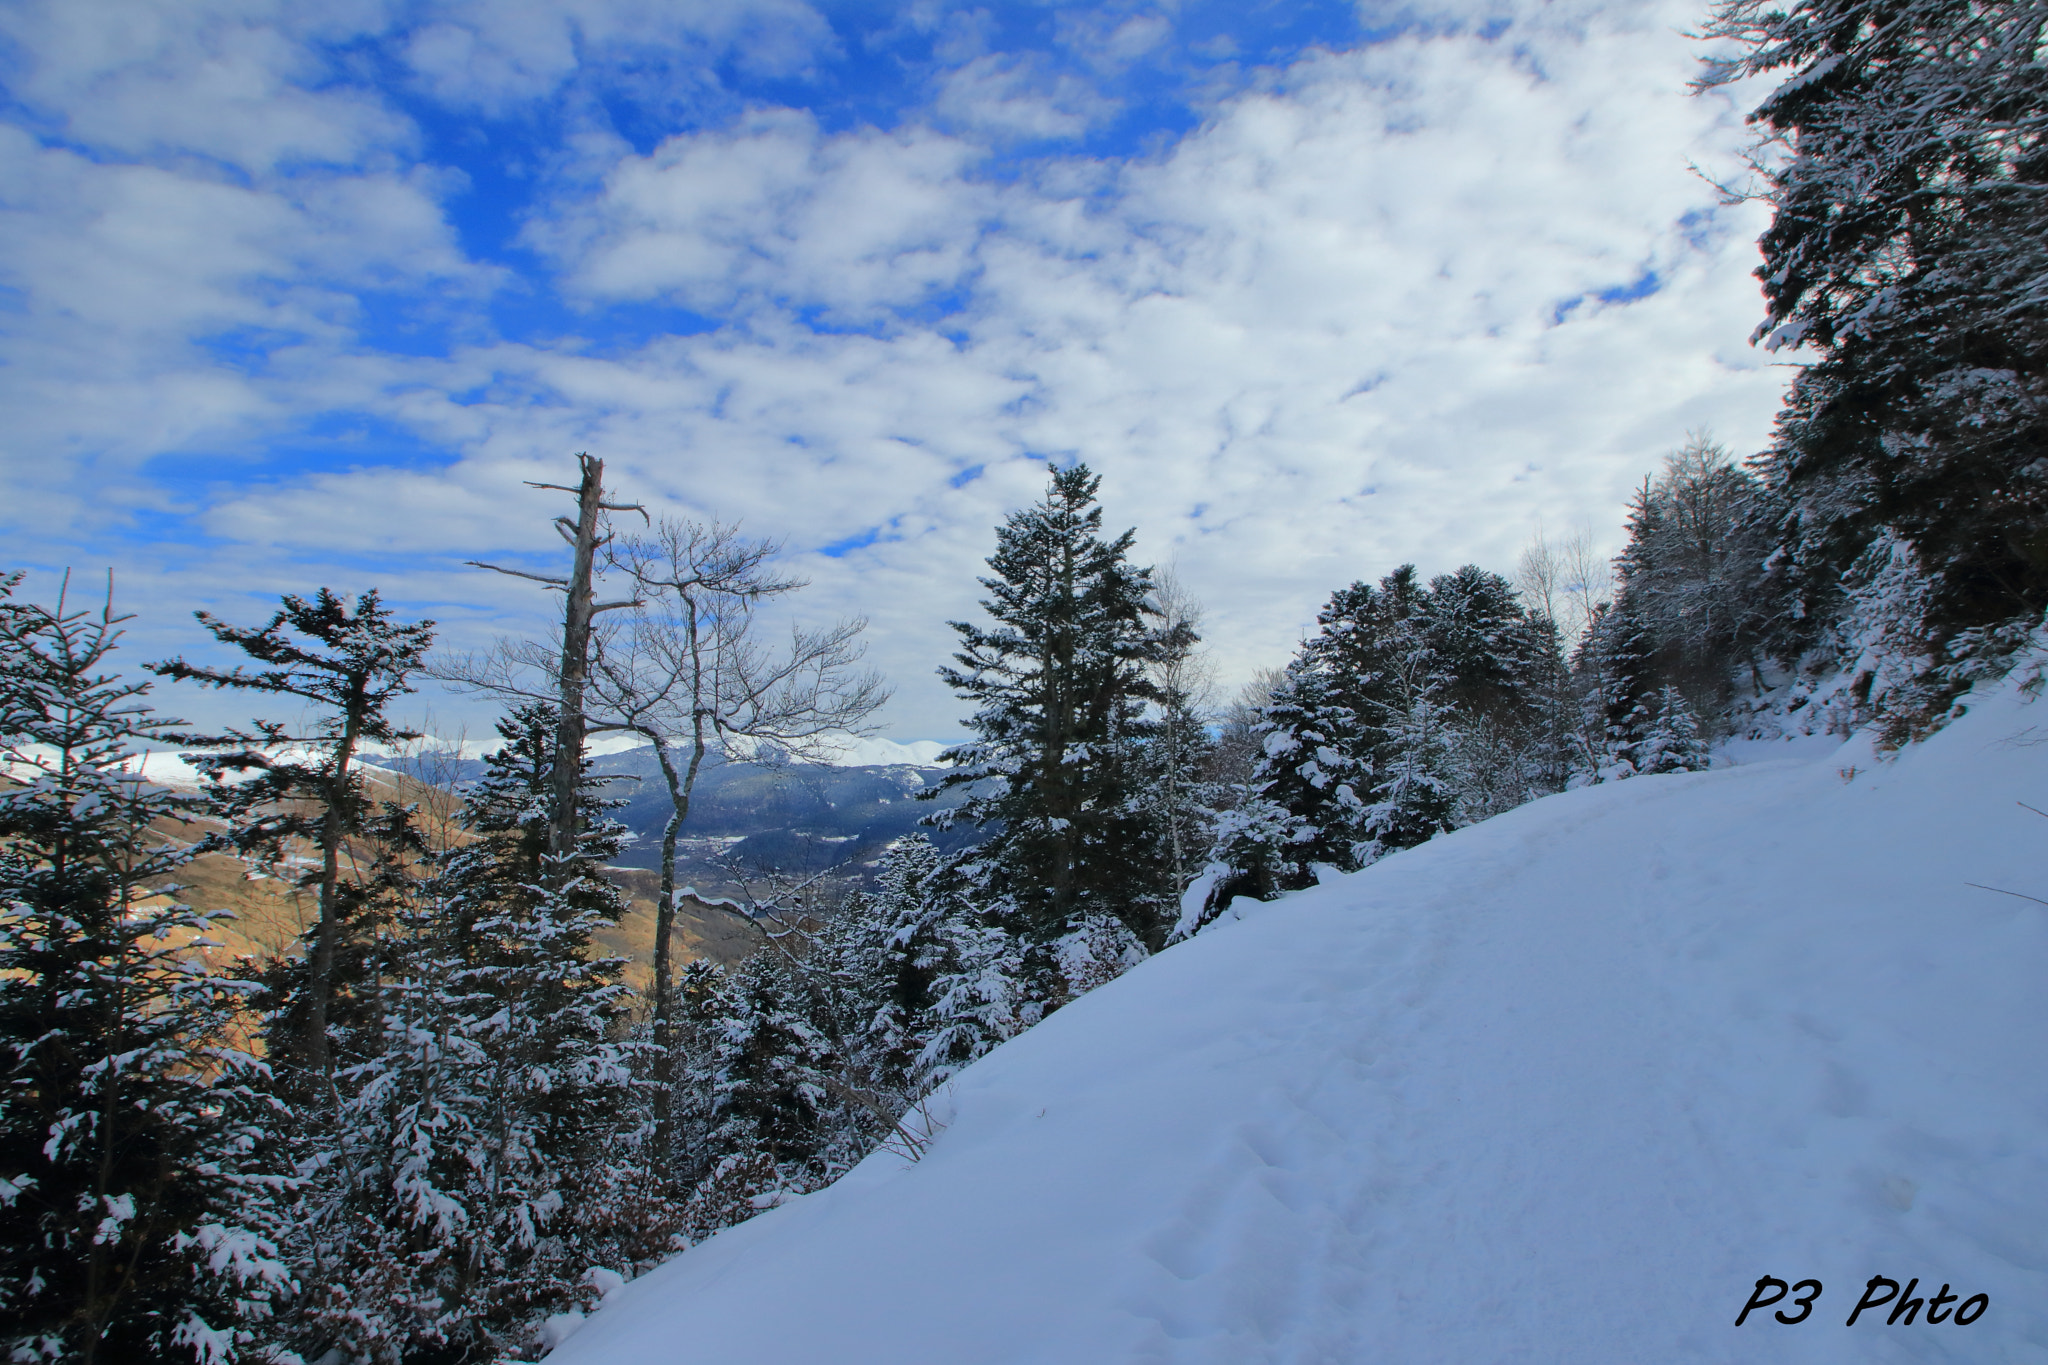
(1559, 1087)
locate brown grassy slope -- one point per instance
(267, 914)
(701, 931)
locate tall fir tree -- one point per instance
(276, 786)
(140, 1181)
(487, 1155)
(1055, 771)
(1617, 666)
(1905, 156)
(1320, 734)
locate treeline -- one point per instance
(444, 1125)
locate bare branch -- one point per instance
(2018, 895)
(548, 579)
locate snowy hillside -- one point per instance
(1559, 1087)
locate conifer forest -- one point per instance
(444, 1118)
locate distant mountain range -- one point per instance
(797, 818)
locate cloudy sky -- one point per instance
(299, 294)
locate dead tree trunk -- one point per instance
(575, 669)
(585, 534)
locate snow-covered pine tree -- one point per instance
(387, 1207)
(560, 1176)
(892, 946)
(1410, 711)
(1905, 154)
(954, 970)
(1414, 793)
(1694, 609)
(1315, 771)
(764, 1097)
(1673, 744)
(1616, 667)
(139, 1178)
(1698, 575)
(1177, 757)
(274, 786)
(1055, 769)
(1502, 669)
(488, 1155)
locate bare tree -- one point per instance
(1237, 738)
(685, 671)
(1565, 580)
(586, 535)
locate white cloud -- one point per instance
(135, 283)
(1006, 97)
(1316, 337)
(493, 56)
(772, 208)
(226, 81)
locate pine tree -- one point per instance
(1411, 710)
(1055, 770)
(772, 1102)
(1323, 729)
(1414, 794)
(1617, 666)
(1905, 160)
(894, 947)
(273, 786)
(1490, 652)
(1501, 672)
(486, 1158)
(138, 1174)
(1673, 744)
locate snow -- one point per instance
(841, 751)
(1559, 1087)
(169, 769)
(869, 751)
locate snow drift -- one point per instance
(1561, 1086)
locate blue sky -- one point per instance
(296, 295)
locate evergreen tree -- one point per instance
(138, 1175)
(978, 1000)
(770, 1101)
(1673, 744)
(1491, 653)
(274, 785)
(1905, 159)
(486, 1158)
(1501, 673)
(1410, 711)
(771, 1062)
(1699, 579)
(1323, 730)
(1055, 771)
(1616, 662)
(1414, 794)
(1179, 791)
(895, 947)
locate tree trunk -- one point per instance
(577, 616)
(327, 934)
(679, 788)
